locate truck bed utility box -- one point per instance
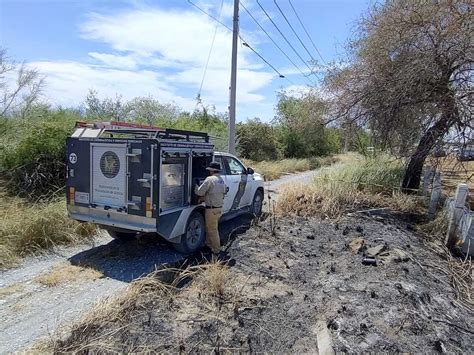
(132, 178)
(129, 176)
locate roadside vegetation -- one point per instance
(29, 228)
(361, 183)
(273, 169)
(208, 286)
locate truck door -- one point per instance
(236, 180)
(109, 175)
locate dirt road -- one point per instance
(53, 289)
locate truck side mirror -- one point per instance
(250, 171)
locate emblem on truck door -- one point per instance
(109, 164)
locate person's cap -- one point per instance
(213, 166)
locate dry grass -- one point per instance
(114, 321)
(454, 172)
(107, 318)
(357, 184)
(460, 270)
(212, 280)
(64, 273)
(27, 228)
(10, 290)
(437, 228)
(275, 168)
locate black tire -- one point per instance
(194, 236)
(120, 235)
(257, 204)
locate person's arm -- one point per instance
(201, 190)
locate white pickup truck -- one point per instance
(131, 178)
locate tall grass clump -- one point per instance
(378, 174)
(273, 169)
(357, 183)
(30, 228)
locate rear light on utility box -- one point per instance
(72, 193)
(148, 207)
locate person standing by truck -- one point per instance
(213, 189)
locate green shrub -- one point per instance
(33, 153)
(257, 140)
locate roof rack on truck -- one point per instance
(136, 130)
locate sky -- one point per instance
(160, 48)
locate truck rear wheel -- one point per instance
(194, 235)
(120, 235)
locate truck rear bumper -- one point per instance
(112, 219)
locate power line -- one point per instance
(304, 28)
(208, 14)
(276, 44)
(271, 66)
(243, 40)
(284, 37)
(296, 34)
(208, 58)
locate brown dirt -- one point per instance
(290, 276)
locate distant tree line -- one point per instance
(33, 133)
(406, 87)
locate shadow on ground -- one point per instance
(128, 260)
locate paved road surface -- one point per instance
(30, 310)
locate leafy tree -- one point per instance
(410, 77)
(17, 98)
(150, 111)
(302, 131)
(256, 140)
(105, 109)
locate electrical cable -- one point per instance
(286, 39)
(243, 40)
(208, 14)
(198, 98)
(275, 43)
(304, 28)
(292, 29)
(245, 44)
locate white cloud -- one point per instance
(115, 61)
(301, 90)
(69, 82)
(248, 82)
(179, 36)
(297, 90)
(162, 53)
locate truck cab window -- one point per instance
(218, 159)
(236, 168)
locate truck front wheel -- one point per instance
(194, 235)
(257, 203)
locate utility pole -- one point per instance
(233, 78)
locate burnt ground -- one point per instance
(295, 279)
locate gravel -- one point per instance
(30, 310)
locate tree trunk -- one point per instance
(412, 178)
